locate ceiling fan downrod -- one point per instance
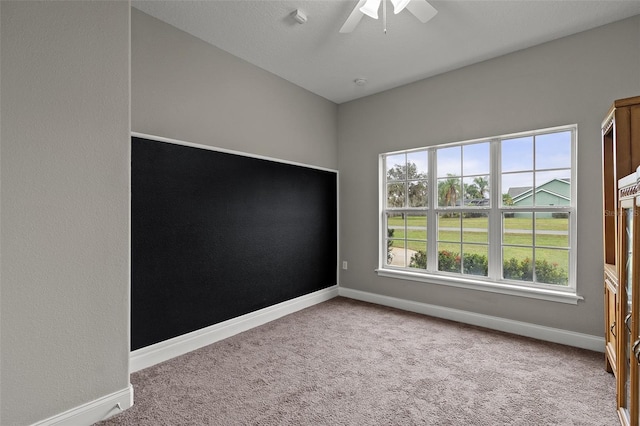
(384, 15)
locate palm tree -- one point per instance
(449, 191)
(471, 192)
(482, 182)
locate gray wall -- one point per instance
(65, 202)
(64, 167)
(186, 89)
(571, 80)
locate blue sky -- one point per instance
(552, 159)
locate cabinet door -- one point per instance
(611, 327)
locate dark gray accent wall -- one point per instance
(216, 235)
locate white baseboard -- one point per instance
(549, 334)
(163, 351)
(94, 411)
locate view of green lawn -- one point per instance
(473, 237)
(548, 224)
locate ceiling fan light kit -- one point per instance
(370, 8)
(421, 9)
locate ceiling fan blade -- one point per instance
(423, 10)
(353, 19)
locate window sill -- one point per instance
(568, 296)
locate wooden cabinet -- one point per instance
(628, 315)
(621, 197)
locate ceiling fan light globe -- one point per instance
(370, 8)
(399, 5)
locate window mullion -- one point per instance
(432, 226)
(495, 216)
(382, 214)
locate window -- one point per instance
(496, 214)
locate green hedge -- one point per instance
(477, 264)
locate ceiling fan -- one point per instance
(420, 8)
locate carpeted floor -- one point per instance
(345, 362)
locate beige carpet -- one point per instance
(345, 362)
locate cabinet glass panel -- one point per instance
(628, 274)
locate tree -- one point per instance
(396, 195)
(482, 183)
(416, 190)
(408, 171)
(507, 200)
(449, 191)
(418, 193)
(471, 192)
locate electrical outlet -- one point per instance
(344, 265)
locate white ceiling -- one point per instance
(318, 58)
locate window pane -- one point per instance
(417, 255)
(475, 228)
(396, 227)
(418, 193)
(395, 239)
(475, 159)
(449, 192)
(449, 161)
(517, 189)
(407, 239)
(552, 266)
(417, 226)
(449, 227)
(395, 219)
(396, 195)
(476, 191)
(553, 188)
(417, 164)
(552, 229)
(553, 151)
(417, 240)
(517, 263)
(517, 154)
(396, 253)
(517, 228)
(475, 259)
(396, 167)
(449, 257)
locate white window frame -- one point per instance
(494, 282)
